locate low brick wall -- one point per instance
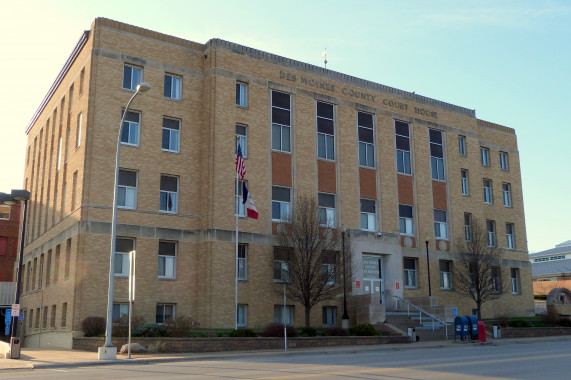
(233, 344)
(530, 332)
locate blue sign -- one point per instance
(9, 312)
(21, 317)
(7, 330)
(7, 319)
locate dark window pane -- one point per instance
(365, 120)
(171, 123)
(444, 266)
(282, 253)
(127, 178)
(280, 194)
(167, 248)
(238, 93)
(169, 183)
(240, 130)
(405, 211)
(168, 83)
(280, 116)
(124, 245)
(325, 126)
(401, 128)
(325, 110)
(326, 200)
(131, 116)
(368, 205)
(366, 135)
(166, 139)
(440, 216)
(403, 143)
(409, 264)
(435, 136)
(436, 150)
(280, 99)
(127, 72)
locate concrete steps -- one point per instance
(424, 329)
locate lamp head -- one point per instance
(143, 87)
(427, 238)
(7, 199)
(21, 195)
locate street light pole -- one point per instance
(427, 240)
(345, 317)
(105, 352)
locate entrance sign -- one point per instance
(15, 309)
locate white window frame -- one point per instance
(123, 256)
(133, 130)
(130, 192)
(329, 316)
(368, 219)
(164, 306)
(132, 81)
(507, 194)
(445, 276)
(283, 205)
(242, 139)
(514, 275)
(78, 132)
(121, 309)
(327, 215)
(465, 182)
(488, 194)
(281, 129)
(504, 162)
(410, 276)
(491, 233)
(166, 259)
(468, 226)
(406, 222)
(241, 94)
(59, 149)
(325, 139)
(510, 235)
(289, 312)
(485, 156)
(242, 315)
(403, 156)
(441, 227)
(437, 169)
(173, 136)
(169, 195)
(5, 212)
(462, 145)
(366, 148)
(175, 90)
(242, 262)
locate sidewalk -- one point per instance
(37, 358)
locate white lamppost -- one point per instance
(108, 351)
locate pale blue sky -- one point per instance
(509, 60)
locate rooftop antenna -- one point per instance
(324, 56)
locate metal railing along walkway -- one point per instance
(420, 312)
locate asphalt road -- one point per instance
(529, 360)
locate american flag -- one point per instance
(240, 164)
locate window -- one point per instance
(496, 280)
(132, 76)
(49, 267)
(325, 131)
(436, 154)
(241, 94)
(167, 259)
(507, 193)
(468, 226)
(410, 279)
(119, 310)
(281, 121)
(169, 194)
(464, 177)
(122, 248)
(242, 140)
(281, 317)
(462, 145)
(81, 80)
(402, 136)
(241, 207)
(4, 212)
(165, 312)
(488, 197)
(406, 221)
(242, 315)
(67, 263)
(504, 164)
(515, 280)
(242, 262)
(171, 135)
(74, 191)
(37, 323)
(63, 314)
(366, 140)
(281, 266)
(281, 203)
(329, 316)
(127, 189)
(491, 228)
(57, 263)
(130, 130)
(30, 318)
(78, 131)
(368, 215)
(172, 86)
(326, 209)
(445, 275)
(59, 147)
(440, 224)
(485, 155)
(329, 267)
(510, 235)
(53, 317)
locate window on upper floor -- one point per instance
(132, 76)
(504, 164)
(462, 145)
(130, 130)
(410, 274)
(281, 264)
(510, 235)
(239, 207)
(440, 224)
(464, 179)
(281, 203)
(485, 156)
(242, 262)
(173, 87)
(241, 94)
(122, 248)
(325, 131)
(406, 221)
(436, 154)
(488, 197)
(326, 209)
(169, 194)
(171, 135)
(368, 214)
(515, 280)
(127, 189)
(496, 280)
(281, 121)
(167, 259)
(507, 194)
(468, 226)
(242, 139)
(491, 229)
(366, 139)
(402, 137)
(78, 130)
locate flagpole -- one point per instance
(236, 258)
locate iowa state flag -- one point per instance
(247, 200)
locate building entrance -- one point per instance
(373, 276)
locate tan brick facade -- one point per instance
(71, 205)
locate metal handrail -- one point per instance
(421, 310)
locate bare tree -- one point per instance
(311, 257)
(477, 272)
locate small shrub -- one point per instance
(121, 325)
(540, 296)
(519, 323)
(277, 330)
(152, 330)
(503, 320)
(563, 322)
(181, 326)
(93, 326)
(363, 329)
(334, 331)
(243, 333)
(308, 331)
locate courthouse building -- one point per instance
(387, 166)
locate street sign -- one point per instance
(7, 330)
(9, 312)
(21, 317)
(397, 285)
(15, 309)
(7, 319)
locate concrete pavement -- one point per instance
(37, 358)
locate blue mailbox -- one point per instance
(461, 327)
(473, 322)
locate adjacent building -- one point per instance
(388, 166)
(551, 269)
